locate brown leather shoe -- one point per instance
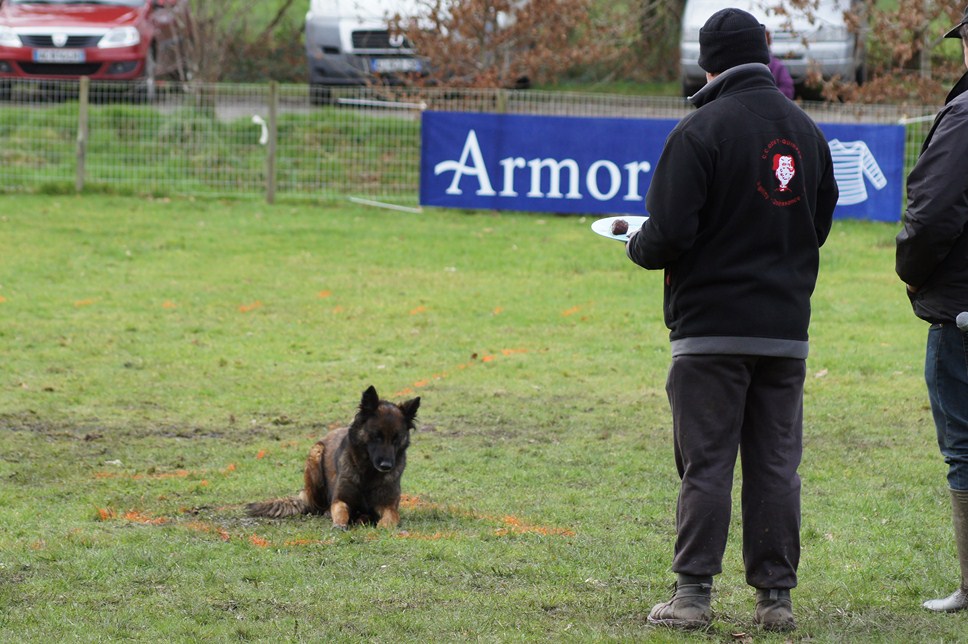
(774, 610)
(689, 608)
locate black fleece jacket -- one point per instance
(932, 247)
(740, 202)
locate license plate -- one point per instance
(58, 55)
(393, 65)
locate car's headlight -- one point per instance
(120, 37)
(8, 38)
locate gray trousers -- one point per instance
(753, 405)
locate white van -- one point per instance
(830, 45)
(348, 42)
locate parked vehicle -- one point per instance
(802, 39)
(106, 40)
(349, 42)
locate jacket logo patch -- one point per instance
(784, 169)
(784, 188)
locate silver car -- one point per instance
(803, 39)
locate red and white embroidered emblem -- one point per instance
(784, 169)
(782, 159)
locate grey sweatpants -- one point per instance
(721, 405)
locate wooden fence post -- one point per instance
(273, 140)
(82, 125)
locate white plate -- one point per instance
(604, 226)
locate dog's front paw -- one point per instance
(340, 513)
(389, 517)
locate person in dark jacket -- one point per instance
(740, 202)
(932, 259)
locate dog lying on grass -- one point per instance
(354, 472)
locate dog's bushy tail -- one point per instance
(278, 508)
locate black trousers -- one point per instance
(753, 405)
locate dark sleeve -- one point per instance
(937, 208)
(676, 194)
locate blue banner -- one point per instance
(604, 165)
(869, 167)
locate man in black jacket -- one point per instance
(740, 202)
(932, 259)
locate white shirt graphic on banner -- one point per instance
(852, 162)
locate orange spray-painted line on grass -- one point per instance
(421, 536)
(208, 528)
(513, 525)
(144, 518)
(177, 474)
(155, 476)
(246, 308)
(474, 360)
(308, 542)
(135, 516)
(258, 541)
(510, 525)
(132, 516)
(517, 526)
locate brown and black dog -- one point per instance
(354, 472)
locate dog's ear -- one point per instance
(409, 409)
(369, 402)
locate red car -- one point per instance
(106, 40)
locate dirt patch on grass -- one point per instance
(94, 429)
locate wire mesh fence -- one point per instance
(273, 140)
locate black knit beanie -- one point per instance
(729, 38)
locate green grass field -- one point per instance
(166, 361)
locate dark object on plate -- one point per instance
(620, 227)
